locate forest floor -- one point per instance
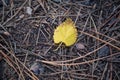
(27, 49)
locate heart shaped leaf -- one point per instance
(66, 33)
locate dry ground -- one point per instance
(27, 50)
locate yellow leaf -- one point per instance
(65, 33)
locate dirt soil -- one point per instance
(27, 49)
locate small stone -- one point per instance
(37, 68)
(80, 46)
(29, 10)
(21, 16)
(7, 33)
(103, 51)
